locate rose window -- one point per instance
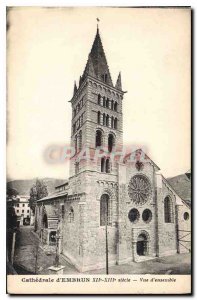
(139, 189)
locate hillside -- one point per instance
(182, 185)
(23, 186)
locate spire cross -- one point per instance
(97, 22)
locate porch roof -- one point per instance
(54, 196)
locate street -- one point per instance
(31, 259)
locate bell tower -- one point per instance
(96, 135)
(96, 114)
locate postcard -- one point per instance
(98, 150)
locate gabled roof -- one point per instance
(54, 196)
(179, 199)
(143, 155)
(63, 184)
(182, 185)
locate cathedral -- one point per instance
(113, 204)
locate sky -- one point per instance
(47, 49)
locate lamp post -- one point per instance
(106, 238)
(57, 268)
(58, 237)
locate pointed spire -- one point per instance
(119, 82)
(75, 88)
(80, 80)
(89, 69)
(97, 63)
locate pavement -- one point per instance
(31, 259)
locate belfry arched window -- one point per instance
(103, 164)
(99, 99)
(80, 140)
(76, 149)
(115, 106)
(107, 103)
(98, 117)
(112, 122)
(168, 210)
(104, 102)
(105, 210)
(98, 138)
(104, 119)
(107, 120)
(111, 142)
(107, 166)
(115, 123)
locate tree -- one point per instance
(37, 192)
(11, 195)
(11, 221)
(11, 192)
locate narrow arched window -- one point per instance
(99, 99)
(168, 210)
(104, 102)
(107, 165)
(115, 123)
(104, 119)
(102, 164)
(111, 142)
(115, 106)
(112, 104)
(107, 120)
(71, 215)
(98, 138)
(105, 210)
(98, 117)
(80, 140)
(107, 103)
(76, 149)
(112, 122)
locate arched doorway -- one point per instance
(142, 245)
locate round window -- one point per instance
(139, 189)
(147, 215)
(134, 215)
(186, 216)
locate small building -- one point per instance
(51, 210)
(22, 209)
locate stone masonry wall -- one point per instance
(167, 235)
(184, 228)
